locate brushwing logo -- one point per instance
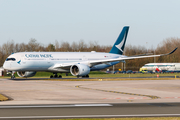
(119, 46)
(19, 62)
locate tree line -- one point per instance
(165, 46)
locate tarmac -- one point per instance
(23, 92)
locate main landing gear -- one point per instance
(86, 76)
(55, 76)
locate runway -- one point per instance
(90, 110)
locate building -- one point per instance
(1, 71)
(161, 66)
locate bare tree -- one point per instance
(56, 45)
(164, 47)
(51, 48)
(74, 46)
(33, 45)
(65, 46)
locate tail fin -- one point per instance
(119, 45)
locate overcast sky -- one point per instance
(150, 21)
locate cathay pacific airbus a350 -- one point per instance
(26, 64)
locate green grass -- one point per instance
(132, 75)
(47, 74)
(3, 98)
(97, 74)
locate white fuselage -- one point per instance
(44, 61)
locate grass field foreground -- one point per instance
(98, 74)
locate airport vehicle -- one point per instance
(143, 70)
(129, 71)
(79, 64)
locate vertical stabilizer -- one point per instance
(119, 45)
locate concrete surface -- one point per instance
(73, 92)
(19, 112)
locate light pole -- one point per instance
(146, 46)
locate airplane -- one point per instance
(79, 64)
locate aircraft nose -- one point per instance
(5, 65)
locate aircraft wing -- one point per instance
(142, 54)
(106, 61)
(92, 63)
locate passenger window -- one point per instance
(10, 59)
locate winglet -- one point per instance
(170, 52)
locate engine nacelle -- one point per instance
(26, 73)
(79, 70)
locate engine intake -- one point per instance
(79, 70)
(26, 73)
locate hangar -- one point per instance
(1, 71)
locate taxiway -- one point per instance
(76, 99)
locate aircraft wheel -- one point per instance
(55, 76)
(12, 77)
(60, 76)
(86, 76)
(51, 76)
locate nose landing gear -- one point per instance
(12, 75)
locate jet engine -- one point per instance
(26, 73)
(79, 70)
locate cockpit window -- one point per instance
(10, 59)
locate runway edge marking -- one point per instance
(47, 106)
